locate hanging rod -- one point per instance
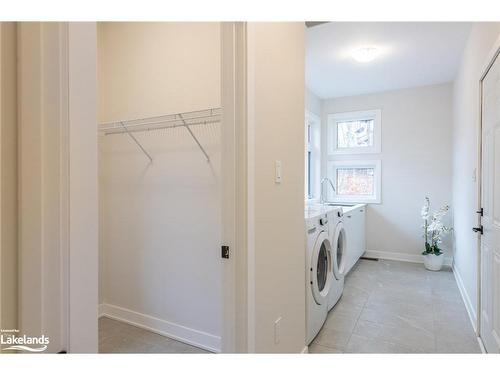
(185, 120)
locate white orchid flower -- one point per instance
(425, 209)
(433, 227)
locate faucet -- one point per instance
(322, 199)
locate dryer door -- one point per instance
(320, 269)
(339, 251)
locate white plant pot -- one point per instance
(433, 262)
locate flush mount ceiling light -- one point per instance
(365, 54)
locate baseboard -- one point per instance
(481, 345)
(100, 310)
(402, 257)
(305, 350)
(471, 311)
(162, 327)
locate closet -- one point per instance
(160, 265)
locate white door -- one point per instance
(490, 203)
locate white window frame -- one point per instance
(314, 146)
(334, 118)
(333, 165)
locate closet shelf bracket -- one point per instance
(136, 142)
(194, 137)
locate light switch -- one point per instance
(277, 167)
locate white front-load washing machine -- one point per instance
(318, 272)
(338, 242)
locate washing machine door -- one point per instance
(320, 268)
(339, 251)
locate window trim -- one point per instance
(333, 165)
(334, 118)
(314, 147)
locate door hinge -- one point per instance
(225, 252)
(480, 211)
(478, 229)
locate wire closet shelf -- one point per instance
(177, 120)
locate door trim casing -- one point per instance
(490, 59)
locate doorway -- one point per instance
(163, 170)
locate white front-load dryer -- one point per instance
(338, 242)
(318, 274)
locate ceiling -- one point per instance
(410, 54)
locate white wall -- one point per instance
(8, 176)
(465, 133)
(143, 68)
(416, 162)
(276, 221)
(313, 103)
(160, 223)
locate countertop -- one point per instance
(313, 209)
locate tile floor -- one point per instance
(118, 337)
(397, 307)
(387, 307)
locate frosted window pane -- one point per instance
(355, 181)
(358, 133)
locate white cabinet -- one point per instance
(354, 225)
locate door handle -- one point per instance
(478, 229)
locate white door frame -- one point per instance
(58, 184)
(234, 182)
(490, 59)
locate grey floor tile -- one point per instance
(332, 338)
(367, 329)
(398, 307)
(468, 345)
(388, 317)
(355, 296)
(173, 346)
(320, 349)
(414, 340)
(119, 337)
(361, 344)
(341, 322)
(346, 307)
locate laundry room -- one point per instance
(378, 189)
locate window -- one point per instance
(312, 155)
(356, 181)
(354, 132)
(351, 136)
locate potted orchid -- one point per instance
(434, 229)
